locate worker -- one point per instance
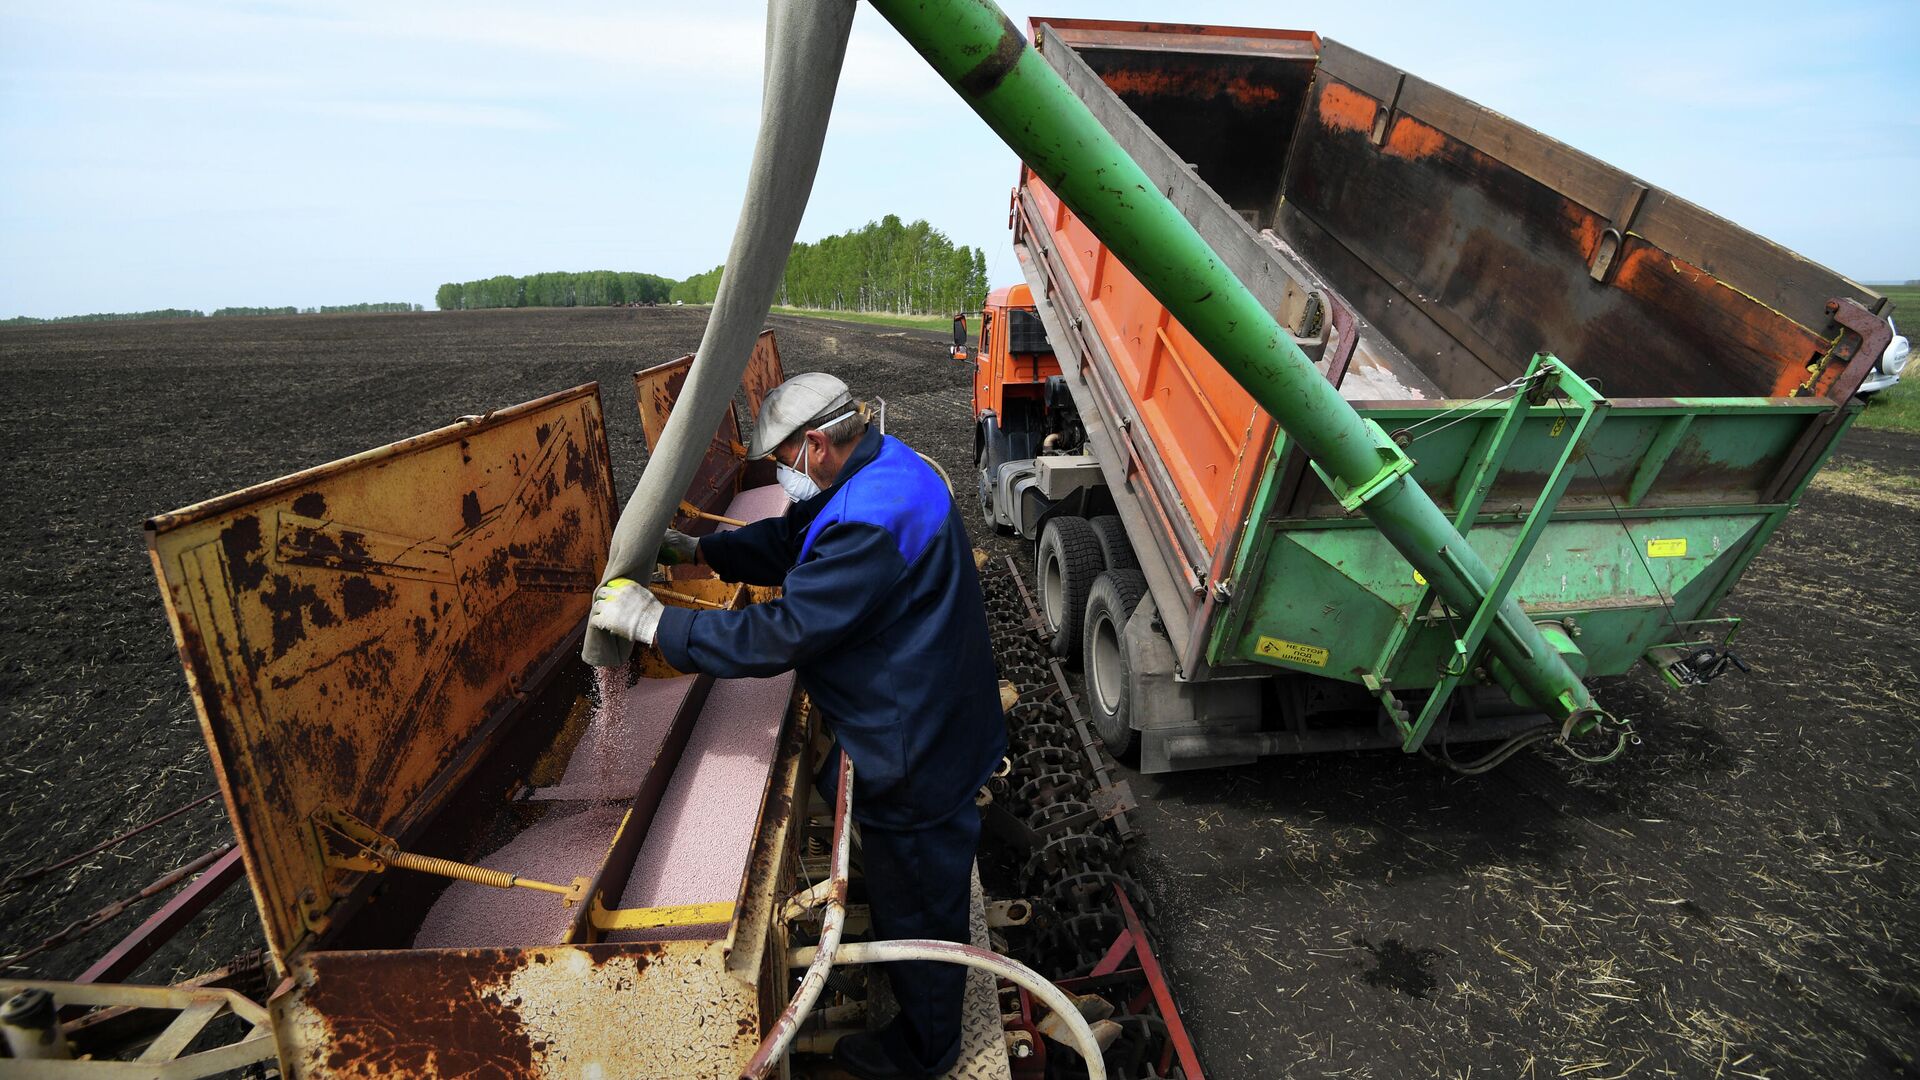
(881, 615)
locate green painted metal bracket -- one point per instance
(1476, 481)
(1394, 463)
(1545, 375)
(1655, 459)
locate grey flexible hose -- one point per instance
(806, 45)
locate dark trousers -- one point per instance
(919, 885)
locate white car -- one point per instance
(1892, 362)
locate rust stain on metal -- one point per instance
(1584, 227)
(1343, 108)
(347, 630)
(1214, 83)
(1413, 140)
(643, 1009)
(1467, 258)
(716, 478)
(1669, 283)
(764, 372)
(421, 1014)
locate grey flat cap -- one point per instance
(799, 403)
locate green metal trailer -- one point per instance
(1412, 420)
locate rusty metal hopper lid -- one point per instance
(350, 632)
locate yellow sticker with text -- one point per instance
(1419, 578)
(1559, 425)
(1667, 549)
(1293, 652)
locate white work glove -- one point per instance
(678, 548)
(625, 607)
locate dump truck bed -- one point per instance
(1464, 238)
(1422, 250)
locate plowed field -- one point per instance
(1737, 897)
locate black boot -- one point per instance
(864, 1054)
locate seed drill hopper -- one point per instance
(383, 654)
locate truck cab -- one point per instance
(1021, 410)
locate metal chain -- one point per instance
(1627, 737)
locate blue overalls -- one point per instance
(881, 617)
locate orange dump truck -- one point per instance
(1484, 297)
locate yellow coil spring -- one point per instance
(426, 864)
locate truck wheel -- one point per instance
(1110, 604)
(986, 495)
(1069, 560)
(1115, 549)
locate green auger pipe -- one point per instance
(978, 50)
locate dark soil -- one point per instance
(107, 424)
(1734, 898)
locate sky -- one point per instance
(207, 153)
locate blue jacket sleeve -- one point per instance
(759, 553)
(852, 569)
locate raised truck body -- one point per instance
(1615, 395)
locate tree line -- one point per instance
(220, 313)
(886, 265)
(902, 268)
(115, 316)
(590, 288)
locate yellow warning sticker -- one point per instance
(1293, 652)
(1419, 578)
(1667, 549)
(1559, 425)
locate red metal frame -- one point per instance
(1133, 942)
(35, 874)
(1021, 1019)
(158, 928)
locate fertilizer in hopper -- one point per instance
(701, 836)
(614, 754)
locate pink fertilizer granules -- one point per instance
(613, 756)
(697, 847)
(566, 844)
(702, 835)
(756, 503)
(629, 724)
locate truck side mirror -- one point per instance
(959, 331)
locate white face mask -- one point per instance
(799, 485)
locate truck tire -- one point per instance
(1110, 604)
(1115, 549)
(1069, 560)
(984, 476)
